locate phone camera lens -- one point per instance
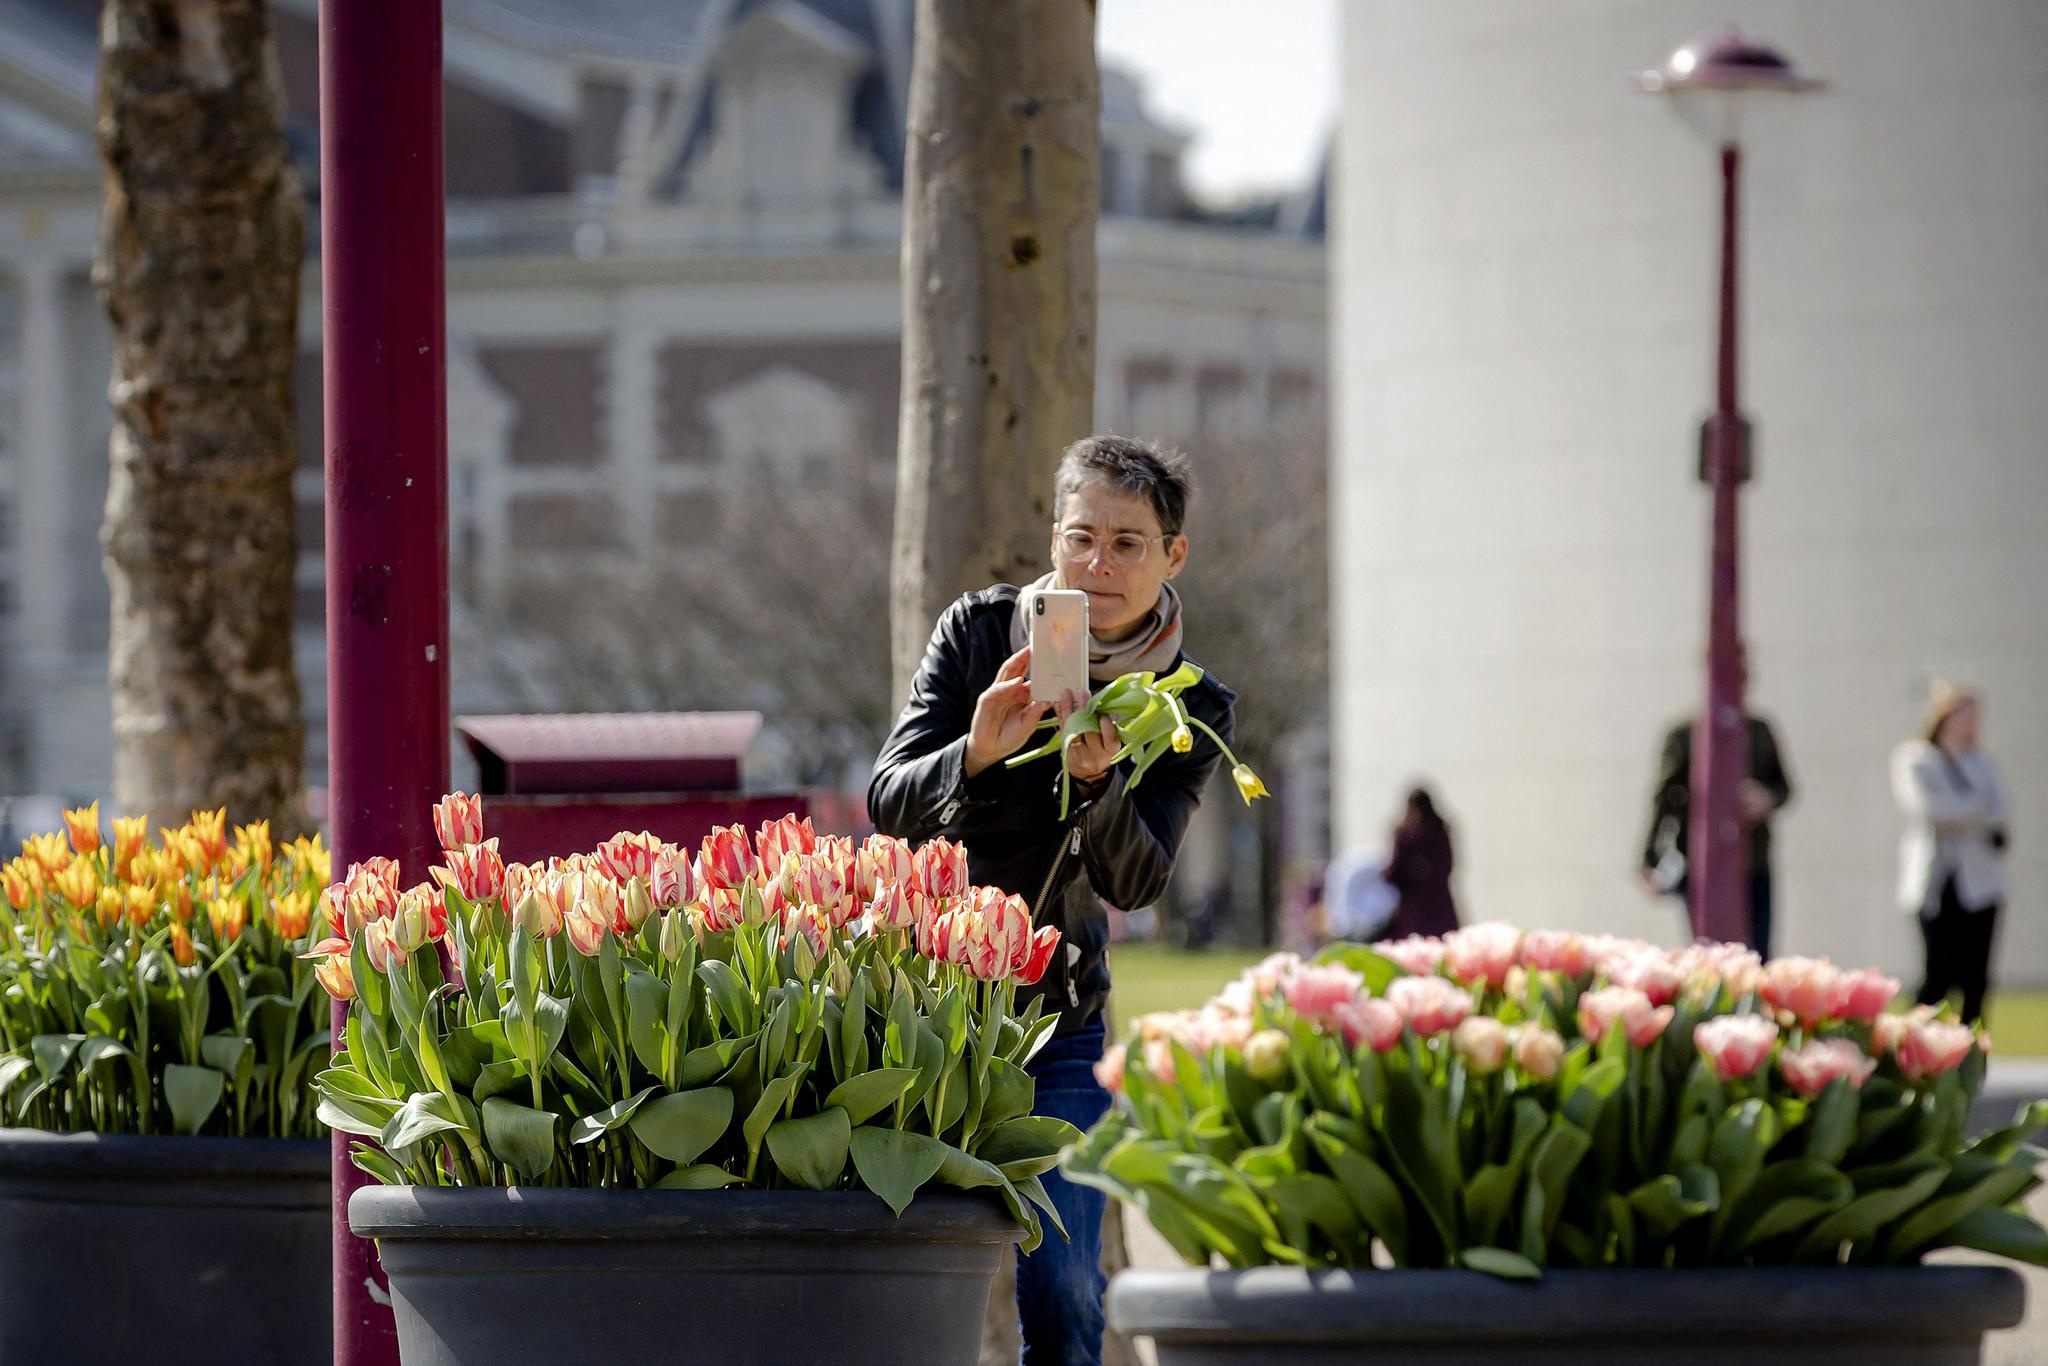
(1038, 606)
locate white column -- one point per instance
(42, 482)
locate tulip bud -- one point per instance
(1482, 1041)
(1265, 1055)
(537, 915)
(804, 958)
(675, 928)
(638, 904)
(1538, 1051)
(1183, 739)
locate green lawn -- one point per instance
(1152, 977)
(1149, 977)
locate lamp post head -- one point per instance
(1707, 78)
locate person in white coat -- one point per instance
(1952, 854)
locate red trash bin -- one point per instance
(559, 785)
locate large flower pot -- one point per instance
(173, 1251)
(496, 1276)
(1903, 1316)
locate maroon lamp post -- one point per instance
(1710, 80)
(387, 493)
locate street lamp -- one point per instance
(1710, 81)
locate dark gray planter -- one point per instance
(173, 1251)
(511, 1276)
(1898, 1316)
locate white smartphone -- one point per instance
(1059, 643)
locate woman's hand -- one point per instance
(1090, 757)
(1004, 715)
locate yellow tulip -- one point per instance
(53, 852)
(227, 915)
(84, 827)
(1248, 785)
(130, 835)
(79, 884)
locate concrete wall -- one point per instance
(1524, 288)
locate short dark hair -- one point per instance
(1138, 468)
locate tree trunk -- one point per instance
(1002, 186)
(202, 237)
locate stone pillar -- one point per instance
(632, 426)
(42, 482)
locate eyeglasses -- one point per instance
(1127, 549)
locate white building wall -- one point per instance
(1524, 281)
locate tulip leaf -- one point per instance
(1980, 1189)
(424, 1114)
(1026, 1147)
(684, 1124)
(2002, 1233)
(1831, 1122)
(54, 1052)
(520, 1137)
(589, 1128)
(1862, 1217)
(1785, 1197)
(811, 1151)
(192, 1093)
(870, 1093)
(774, 1096)
(893, 1163)
(1498, 1261)
(378, 1164)
(646, 1005)
(698, 1178)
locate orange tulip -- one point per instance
(51, 851)
(84, 827)
(108, 907)
(294, 912)
(228, 915)
(22, 881)
(253, 847)
(181, 946)
(178, 900)
(210, 828)
(140, 902)
(130, 834)
(79, 884)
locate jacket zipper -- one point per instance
(1070, 845)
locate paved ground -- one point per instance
(2010, 1083)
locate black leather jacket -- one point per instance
(1008, 818)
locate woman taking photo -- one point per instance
(1952, 855)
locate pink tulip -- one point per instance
(1316, 992)
(1044, 940)
(1370, 1021)
(1482, 953)
(1863, 995)
(726, 860)
(1812, 1067)
(459, 820)
(1647, 969)
(477, 872)
(883, 859)
(586, 927)
(369, 893)
(421, 918)
(1159, 1060)
(668, 880)
(1641, 1022)
(1802, 987)
(626, 856)
(1736, 1045)
(1109, 1070)
(1559, 951)
(1933, 1047)
(380, 945)
(890, 908)
(1538, 1051)
(1419, 954)
(831, 880)
(784, 836)
(1482, 1042)
(722, 910)
(939, 868)
(1430, 1005)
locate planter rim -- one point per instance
(535, 1212)
(1297, 1305)
(42, 1152)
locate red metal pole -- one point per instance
(383, 306)
(1719, 876)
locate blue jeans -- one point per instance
(1060, 1286)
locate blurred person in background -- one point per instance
(1952, 854)
(1419, 871)
(1765, 792)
